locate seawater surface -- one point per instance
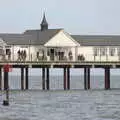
(57, 104)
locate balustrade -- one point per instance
(80, 58)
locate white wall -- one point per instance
(88, 52)
(61, 40)
(15, 50)
(30, 50)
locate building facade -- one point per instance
(57, 44)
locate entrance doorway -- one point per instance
(61, 55)
(52, 53)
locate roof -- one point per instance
(97, 40)
(38, 37)
(34, 37)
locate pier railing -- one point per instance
(72, 64)
(86, 58)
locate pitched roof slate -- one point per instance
(34, 37)
(38, 37)
(97, 40)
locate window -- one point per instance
(118, 51)
(96, 51)
(48, 52)
(8, 51)
(112, 51)
(1, 51)
(103, 51)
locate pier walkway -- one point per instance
(65, 65)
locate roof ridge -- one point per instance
(95, 35)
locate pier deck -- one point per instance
(56, 64)
(65, 65)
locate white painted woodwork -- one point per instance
(61, 40)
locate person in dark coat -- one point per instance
(19, 55)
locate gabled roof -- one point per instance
(97, 40)
(38, 37)
(34, 37)
(62, 39)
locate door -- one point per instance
(52, 52)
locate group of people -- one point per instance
(40, 55)
(22, 55)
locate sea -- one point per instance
(58, 104)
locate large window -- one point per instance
(103, 51)
(96, 51)
(112, 51)
(118, 51)
(1, 51)
(8, 51)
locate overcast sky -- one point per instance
(75, 16)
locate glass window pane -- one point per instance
(112, 51)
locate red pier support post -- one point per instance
(43, 78)
(22, 78)
(107, 78)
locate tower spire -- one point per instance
(44, 24)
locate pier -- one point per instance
(65, 65)
(46, 48)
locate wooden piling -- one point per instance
(43, 78)
(107, 78)
(6, 84)
(0, 78)
(65, 79)
(22, 78)
(68, 78)
(26, 78)
(47, 79)
(86, 78)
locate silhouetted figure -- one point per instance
(43, 55)
(19, 55)
(37, 55)
(70, 55)
(24, 55)
(81, 57)
(9, 55)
